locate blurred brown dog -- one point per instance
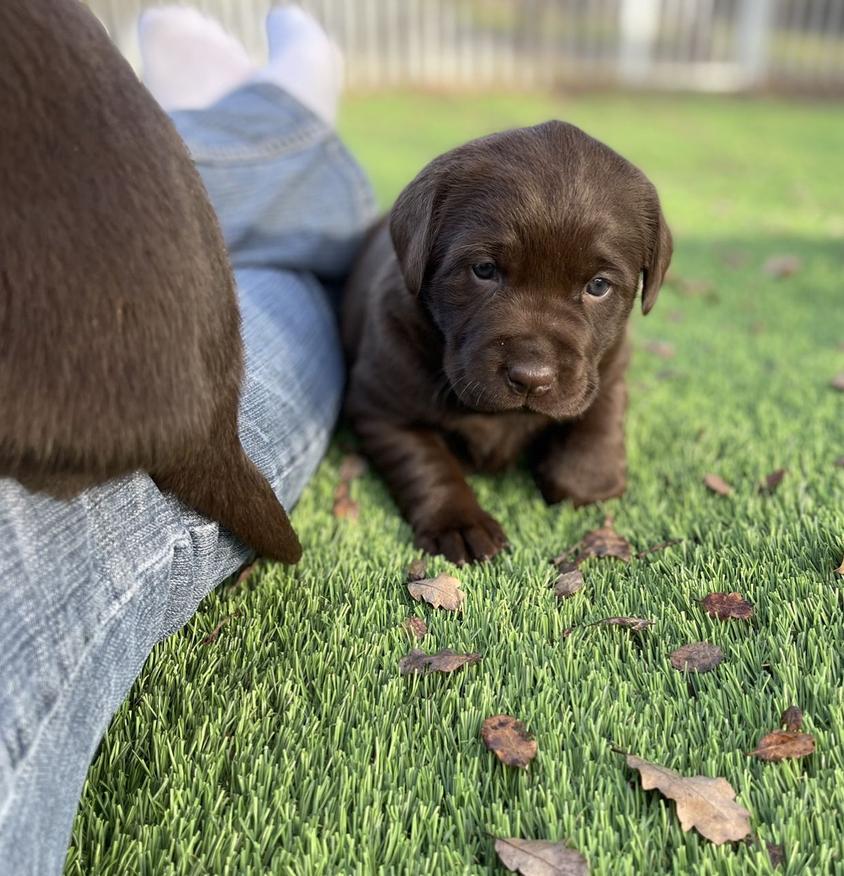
(488, 317)
(120, 345)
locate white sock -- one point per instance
(189, 61)
(303, 61)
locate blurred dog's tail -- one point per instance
(221, 482)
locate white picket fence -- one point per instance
(707, 45)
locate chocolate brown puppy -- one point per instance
(120, 344)
(487, 317)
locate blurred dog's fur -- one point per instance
(487, 316)
(120, 345)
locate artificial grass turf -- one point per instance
(292, 744)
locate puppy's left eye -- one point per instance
(598, 287)
(485, 270)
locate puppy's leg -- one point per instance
(585, 460)
(426, 481)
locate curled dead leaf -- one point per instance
(569, 582)
(662, 349)
(717, 484)
(352, 466)
(781, 266)
(696, 657)
(445, 660)
(772, 481)
(345, 508)
(838, 382)
(840, 570)
(417, 570)
(727, 606)
(508, 738)
(784, 745)
(416, 627)
(441, 592)
(604, 542)
(634, 624)
(706, 804)
(792, 718)
(540, 858)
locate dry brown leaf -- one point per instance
(569, 582)
(718, 485)
(781, 266)
(540, 858)
(352, 466)
(441, 592)
(508, 738)
(840, 570)
(215, 633)
(604, 542)
(772, 481)
(417, 570)
(792, 718)
(445, 660)
(776, 854)
(345, 508)
(784, 744)
(634, 624)
(706, 804)
(662, 349)
(838, 382)
(727, 606)
(697, 657)
(417, 627)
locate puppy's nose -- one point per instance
(530, 377)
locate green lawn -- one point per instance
(292, 744)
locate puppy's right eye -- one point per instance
(485, 270)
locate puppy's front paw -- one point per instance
(466, 537)
(583, 479)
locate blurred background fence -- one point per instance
(701, 45)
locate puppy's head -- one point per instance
(528, 249)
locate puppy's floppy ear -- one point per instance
(660, 249)
(412, 224)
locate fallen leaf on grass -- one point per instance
(692, 288)
(441, 592)
(215, 633)
(508, 738)
(783, 744)
(781, 266)
(569, 581)
(604, 542)
(417, 570)
(704, 803)
(735, 258)
(772, 481)
(634, 624)
(345, 507)
(540, 858)
(792, 717)
(352, 466)
(697, 657)
(840, 570)
(718, 485)
(776, 854)
(727, 606)
(416, 627)
(837, 382)
(662, 349)
(443, 661)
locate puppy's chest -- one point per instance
(491, 442)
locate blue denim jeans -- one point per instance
(88, 587)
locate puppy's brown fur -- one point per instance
(120, 344)
(449, 365)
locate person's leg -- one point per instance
(88, 587)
